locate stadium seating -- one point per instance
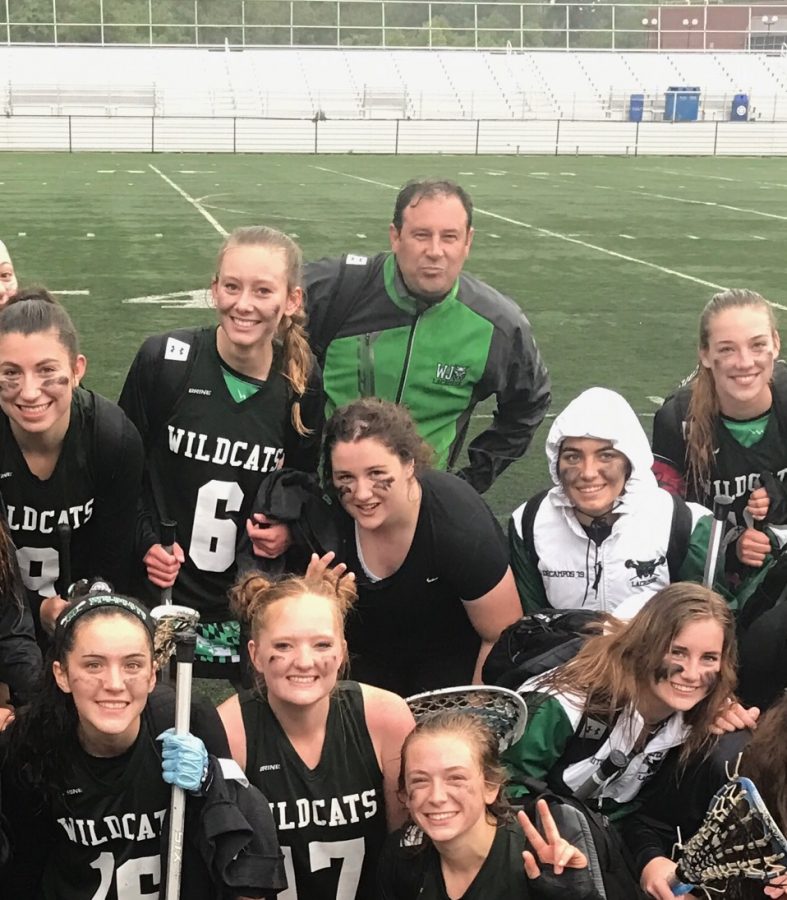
(404, 84)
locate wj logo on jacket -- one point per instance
(447, 373)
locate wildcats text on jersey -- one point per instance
(740, 485)
(129, 827)
(45, 521)
(221, 451)
(331, 811)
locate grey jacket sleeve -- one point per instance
(520, 381)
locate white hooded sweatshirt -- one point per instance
(630, 565)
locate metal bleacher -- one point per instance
(349, 83)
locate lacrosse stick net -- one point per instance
(171, 621)
(503, 711)
(737, 839)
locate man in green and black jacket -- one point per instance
(411, 327)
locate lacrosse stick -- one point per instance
(64, 560)
(168, 529)
(167, 542)
(175, 632)
(737, 839)
(503, 711)
(721, 506)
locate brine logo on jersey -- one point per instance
(222, 452)
(447, 373)
(330, 811)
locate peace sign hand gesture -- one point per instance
(552, 849)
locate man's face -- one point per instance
(593, 474)
(433, 244)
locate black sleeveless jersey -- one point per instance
(93, 489)
(331, 819)
(735, 469)
(109, 820)
(206, 463)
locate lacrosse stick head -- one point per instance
(738, 838)
(173, 625)
(503, 711)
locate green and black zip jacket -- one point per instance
(438, 359)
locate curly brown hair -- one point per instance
(390, 424)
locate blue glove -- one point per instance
(184, 760)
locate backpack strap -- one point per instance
(528, 523)
(354, 272)
(679, 536)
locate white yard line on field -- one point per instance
(644, 415)
(192, 200)
(754, 212)
(684, 174)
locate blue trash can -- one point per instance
(740, 108)
(636, 107)
(682, 104)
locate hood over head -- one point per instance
(606, 416)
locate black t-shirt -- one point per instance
(330, 819)
(407, 873)
(410, 632)
(206, 458)
(735, 469)
(94, 489)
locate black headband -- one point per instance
(71, 614)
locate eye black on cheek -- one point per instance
(56, 381)
(668, 670)
(709, 679)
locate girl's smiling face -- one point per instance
(37, 380)
(109, 673)
(742, 348)
(445, 790)
(251, 293)
(299, 649)
(373, 484)
(689, 670)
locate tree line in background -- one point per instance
(463, 23)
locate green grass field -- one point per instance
(611, 258)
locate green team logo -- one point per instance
(446, 373)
